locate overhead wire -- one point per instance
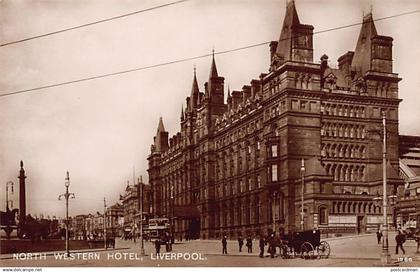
(189, 58)
(92, 23)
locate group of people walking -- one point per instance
(263, 242)
(240, 244)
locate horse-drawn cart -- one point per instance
(306, 244)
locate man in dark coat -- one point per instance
(262, 245)
(224, 245)
(417, 236)
(272, 245)
(240, 242)
(157, 246)
(379, 236)
(249, 244)
(400, 239)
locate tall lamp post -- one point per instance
(66, 196)
(105, 224)
(142, 253)
(7, 194)
(302, 171)
(172, 216)
(385, 256)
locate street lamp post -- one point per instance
(66, 196)
(385, 256)
(7, 194)
(142, 253)
(172, 217)
(302, 170)
(105, 224)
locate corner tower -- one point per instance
(295, 42)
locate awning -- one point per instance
(186, 211)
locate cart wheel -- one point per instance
(307, 251)
(324, 250)
(284, 252)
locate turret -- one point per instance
(295, 42)
(161, 138)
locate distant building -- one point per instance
(78, 227)
(235, 166)
(407, 208)
(131, 206)
(115, 219)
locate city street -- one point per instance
(345, 251)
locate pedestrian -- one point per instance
(224, 245)
(379, 236)
(157, 246)
(240, 242)
(262, 245)
(417, 237)
(400, 239)
(249, 243)
(272, 245)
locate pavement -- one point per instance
(348, 251)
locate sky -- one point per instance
(101, 130)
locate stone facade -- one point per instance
(235, 167)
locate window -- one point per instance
(258, 181)
(274, 172)
(303, 105)
(274, 151)
(323, 215)
(258, 145)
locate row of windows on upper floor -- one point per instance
(234, 187)
(302, 81)
(295, 105)
(239, 133)
(343, 110)
(338, 150)
(346, 172)
(343, 130)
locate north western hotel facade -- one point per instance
(236, 166)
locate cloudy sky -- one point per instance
(100, 129)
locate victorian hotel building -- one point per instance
(240, 167)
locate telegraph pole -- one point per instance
(66, 196)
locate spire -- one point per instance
(362, 55)
(213, 69)
(161, 128)
(182, 113)
(291, 19)
(161, 138)
(194, 92)
(194, 88)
